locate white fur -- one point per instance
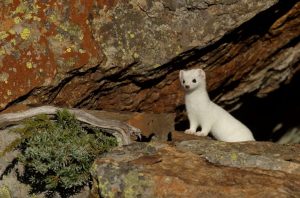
(203, 112)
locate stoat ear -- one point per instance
(181, 74)
(202, 73)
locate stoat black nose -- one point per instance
(187, 86)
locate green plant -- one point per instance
(57, 154)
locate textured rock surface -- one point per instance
(156, 125)
(199, 168)
(125, 55)
(6, 138)
(188, 165)
(42, 43)
(159, 125)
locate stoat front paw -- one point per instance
(188, 131)
(200, 134)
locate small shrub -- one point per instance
(58, 154)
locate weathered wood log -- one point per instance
(122, 131)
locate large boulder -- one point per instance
(156, 127)
(125, 55)
(198, 167)
(184, 165)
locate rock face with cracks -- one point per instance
(125, 55)
(198, 168)
(184, 165)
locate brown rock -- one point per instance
(188, 166)
(159, 125)
(161, 170)
(125, 55)
(41, 43)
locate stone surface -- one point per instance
(125, 55)
(152, 125)
(41, 44)
(157, 125)
(198, 168)
(6, 138)
(187, 165)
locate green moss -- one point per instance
(58, 154)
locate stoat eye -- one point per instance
(183, 81)
(194, 81)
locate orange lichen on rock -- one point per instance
(38, 40)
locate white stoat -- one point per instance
(203, 112)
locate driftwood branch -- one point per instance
(120, 130)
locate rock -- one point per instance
(264, 156)
(125, 56)
(10, 187)
(13, 187)
(42, 43)
(187, 165)
(159, 125)
(117, 55)
(6, 158)
(152, 125)
(198, 167)
(291, 136)
(4, 192)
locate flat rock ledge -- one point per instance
(183, 166)
(198, 167)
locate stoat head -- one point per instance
(192, 79)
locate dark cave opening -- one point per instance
(280, 109)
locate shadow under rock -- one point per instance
(271, 117)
